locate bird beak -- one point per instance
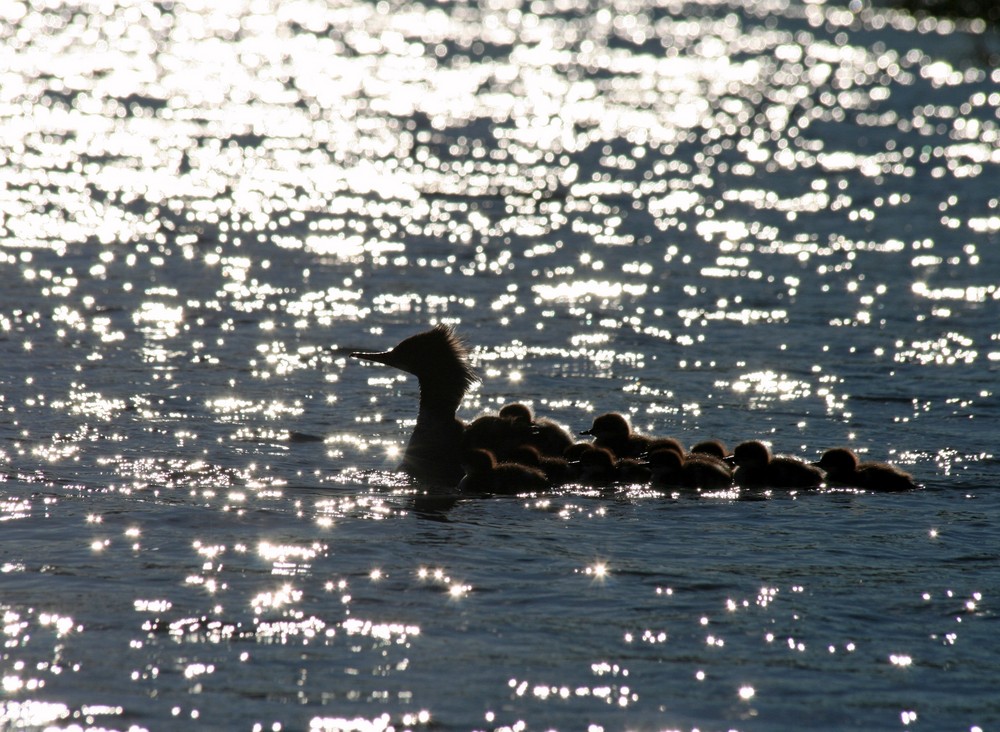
(382, 357)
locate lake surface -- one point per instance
(729, 218)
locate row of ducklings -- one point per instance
(512, 452)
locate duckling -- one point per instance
(713, 447)
(483, 474)
(612, 432)
(495, 433)
(546, 435)
(664, 443)
(670, 468)
(574, 452)
(666, 467)
(632, 471)
(707, 472)
(556, 469)
(842, 466)
(596, 467)
(757, 468)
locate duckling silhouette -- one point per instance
(440, 361)
(632, 471)
(666, 467)
(757, 468)
(612, 432)
(670, 468)
(713, 447)
(517, 411)
(556, 469)
(576, 450)
(499, 435)
(664, 443)
(546, 435)
(483, 474)
(842, 466)
(596, 466)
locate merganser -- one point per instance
(440, 361)
(574, 452)
(757, 468)
(556, 469)
(517, 411)
(665, 443)
(483, 474)
(596, 467)
(632, 471)
(670, 468)
(499, 435)
(842, 466)
(546, 435)
(715, 448)
(612, 432)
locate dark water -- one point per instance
(735, 219)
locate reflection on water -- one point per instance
(729, 219)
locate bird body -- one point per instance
(440, 361)
(544, 434)
(495, 433)
(435, 450)
(670, 468)
(596, 467)
(712, 447)
(757, 468)
(842, 466)
(612, 432)
(483, 474)
(556, 469)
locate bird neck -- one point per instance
(433, 451)
(440, 397)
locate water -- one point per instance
(729, 219)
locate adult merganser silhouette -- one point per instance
(842, 466)
(757, 468)
(440, 361)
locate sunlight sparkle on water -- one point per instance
(361, 724)
(285, 595)
(32, 713)
(735, 217)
